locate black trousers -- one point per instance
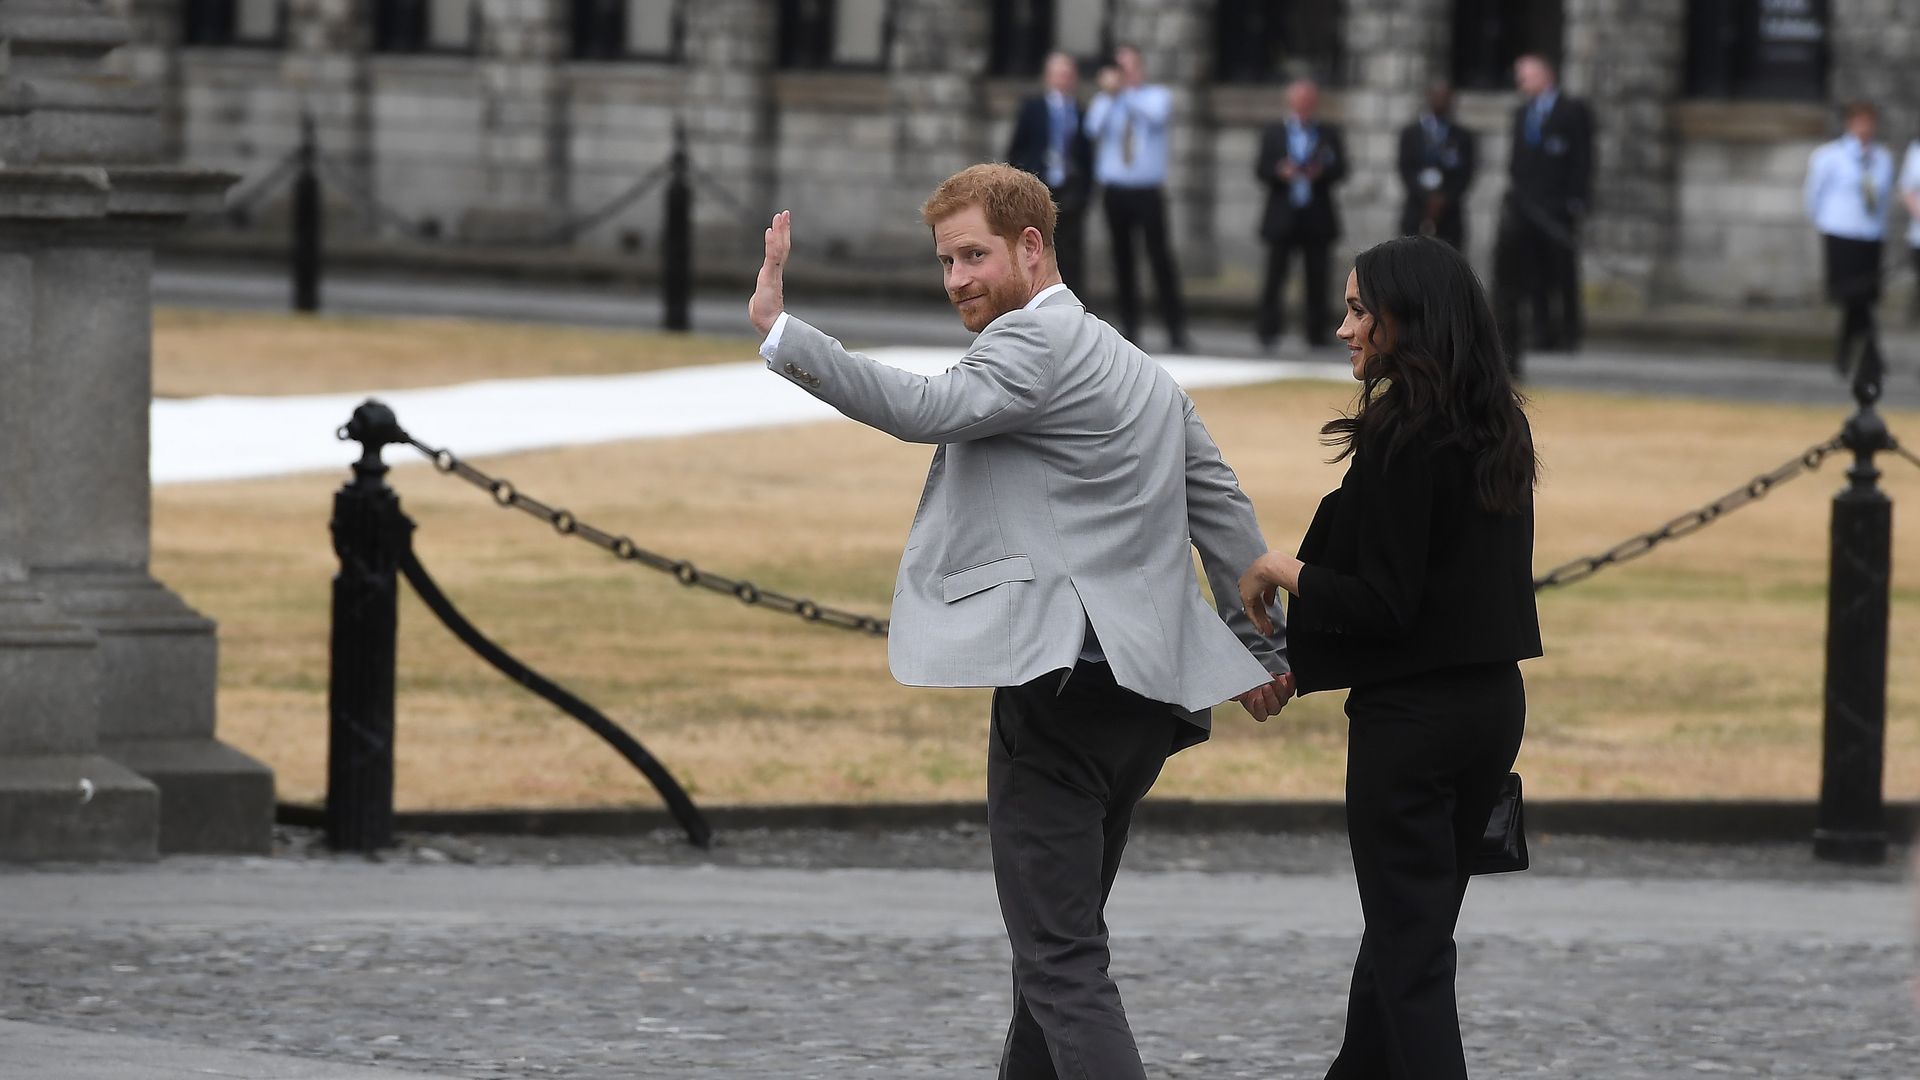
(1853, 282)
(1425, 759)
(1536, 266)
(1069, 240)
(1065, 767)
(1143, 211)
(1315, 314)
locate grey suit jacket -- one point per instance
(1071, 475)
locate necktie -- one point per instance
(1301, 141)
(1057, 151)
(1867, 193)
(1126, 136)
(1536, 116)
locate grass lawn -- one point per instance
(1694, 672)
(200, 352)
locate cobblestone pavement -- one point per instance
(790, 955)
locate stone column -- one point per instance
(59, 798)
(936, 97)
(80, 286)
(1395, 49)
(326, 69)
(1626, 58)
(730, 111)
(1874, 55)
(521, 113)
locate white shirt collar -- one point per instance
(1059, 286)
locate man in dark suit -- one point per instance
(1437, 158)
(1050, 141)
(1551, 184)
(1301, 159)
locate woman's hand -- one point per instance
(1260, 586)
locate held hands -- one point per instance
(1269, 698)
(1108, 80)
(1261, 585)
(769, 291)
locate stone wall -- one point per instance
(1694, 200)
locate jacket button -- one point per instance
(790, 369)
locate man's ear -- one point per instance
(1032, 247)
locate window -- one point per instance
(627, 29)
(1489, 35)
(415, 26)
(235, 22)
(1025, 31)
(1768, 49)
(1258, 41)
(835, 33)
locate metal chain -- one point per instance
(1757, 488)
(564, 522)
(621, 547)
(1894, 445)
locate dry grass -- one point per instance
(198, 352)
(1694, 672)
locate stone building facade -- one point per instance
(497, 119)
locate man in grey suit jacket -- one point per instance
(1051, 558)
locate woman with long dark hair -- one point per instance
(1414, 588)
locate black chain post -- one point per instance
(371, 537)
(677, 245)
(306, 223)
(1852, 823)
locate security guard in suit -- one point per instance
(1436, 164)
(1537, 256)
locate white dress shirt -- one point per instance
(1837, 178)
(1910, 182)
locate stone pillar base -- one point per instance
(75, 806)
(213, 798)
(158, 667)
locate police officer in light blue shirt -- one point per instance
(1910, 194)
(1128, 122)
(1849, 189)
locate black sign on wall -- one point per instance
(1757, 49)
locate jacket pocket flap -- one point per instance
(966, 582)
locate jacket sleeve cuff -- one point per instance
(1312, 581)
(772, 344)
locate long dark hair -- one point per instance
(1442, 377)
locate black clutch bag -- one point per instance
(1503, 849)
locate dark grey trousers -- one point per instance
(1065, 767)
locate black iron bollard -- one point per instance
(1852, 826)
(371, 536)
(306, 223)
(676, 274)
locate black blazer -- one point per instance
(1405, 573)
(1027, 151)
(1320, 218)
(1555, 177)
(1455, 156)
